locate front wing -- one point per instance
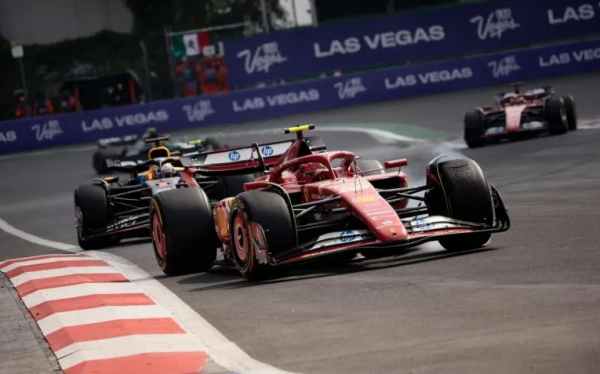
(431, 228)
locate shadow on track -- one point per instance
(221, 279)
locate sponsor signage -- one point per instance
(459, 30)
(246, 105)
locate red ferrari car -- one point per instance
(309, 203)
(518, 113)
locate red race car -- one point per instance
(309, 204)
(518, 113)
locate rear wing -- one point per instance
(245, 160)
(134, 167)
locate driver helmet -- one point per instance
(150, 134)
(167, 170)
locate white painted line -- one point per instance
(125, 346)
(44, 261)
(57, 321)
(78, 290)
(6, 227)
(45, 274)
(223, 351)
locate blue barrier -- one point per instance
(488, 26)
(388, 84)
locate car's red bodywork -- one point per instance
(309, 177)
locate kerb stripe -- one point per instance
(152, 363)
(67, 280)
(48, 308)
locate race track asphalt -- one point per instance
(528, 303)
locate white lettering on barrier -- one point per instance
(8, 136)
(566, 58)
(391, 39)
(584, 12)
(137, 119)
(504, 67)
(430, 77)
(350, 88)
(289, 98)
(199, 111)
(498, 22)
(265, 56)
(47, 130)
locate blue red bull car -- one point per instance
(518, 114)
(308, 203)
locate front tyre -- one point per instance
(462, 192)
(474, 128)
(261, 224)
(183, 231)
(99, 163)
(93, 214)
(571, 112)
(556, 116)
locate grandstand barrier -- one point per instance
(245, 105)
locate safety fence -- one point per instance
(408, 37)
(326, 93)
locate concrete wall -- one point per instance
(50, 21)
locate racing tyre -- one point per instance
(366, 165)
(183, 231)
(474, 129)
(99, 163)
(214, 143)
(556, 116)
(234, 185)
(261, 224)
(571, 112)
(462, 192)
(93, 213)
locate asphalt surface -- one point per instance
(528, 303)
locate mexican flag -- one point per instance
(190, 44)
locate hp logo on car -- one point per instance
(234, 156)
(267, 150)
(347, 236)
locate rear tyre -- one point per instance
(556, 116)
(571, 112)
(462, 192)
(234, 185)
(99, 163)
(474, 129)
(366, 165)
(261, 224)
(214, 143)
(183, 231)
(93, 213)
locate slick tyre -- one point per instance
(234, 185)
(462, 192)
(93, 213)
(99, 163)
(261, 224)
(556, 116)
(366, 165)
(214, 143)
(183, 231)
(571, 112)
(474, 129)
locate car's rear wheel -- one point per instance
(571, 112)
(461, 191)
(183, 231)
(234, 185)
(93, 214)
(556, 116)
(474, 129)
(261, 223)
